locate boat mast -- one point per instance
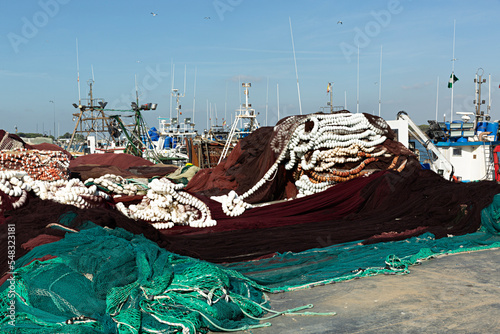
(380, 85)
(453, 71)
(136, 91)
(437, 97)
(278, 99)
(194, 94)
(177, 95)
(267, 97)
(295, 61)
(172, 69)
(489, 95)
(245, 112)
(225, 106)
(357, 87)
(78, 74)
(330, 90)
(478, 101)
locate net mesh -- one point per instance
(112, 281)
(342, 262)
(101, 280)
(310, 150)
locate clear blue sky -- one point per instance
(232, 41)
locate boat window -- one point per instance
(457, 152)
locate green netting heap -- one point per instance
(111, 281)
(292, 271)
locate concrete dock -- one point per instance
(450, 294)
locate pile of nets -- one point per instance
(362, 210)
(15, 185)
(112, 281)
(301, 155)
(361, 206)
(39, 165)
(343, 262)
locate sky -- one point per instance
(207, 48)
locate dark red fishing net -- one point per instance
(383, 205)
(256, 153)
(125, 165)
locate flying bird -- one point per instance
(207, 17)
(339, 22)
(154, 14)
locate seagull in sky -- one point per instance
(154, 14)
(339, 22)
(207, 17)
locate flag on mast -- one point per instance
(452, 80)
(329, 87)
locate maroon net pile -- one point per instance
(9, 141)
(302, 147)
(390, 197)
(125, 165)
(40, 165)
(384, 206)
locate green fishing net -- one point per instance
(342, 262)
(111, 281)
(100, 280)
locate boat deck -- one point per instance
(450, 294)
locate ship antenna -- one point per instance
(437, 98)
(489, 93)
(225, 105)
(194, 94)
(172, 69)
(453, 70)
(185, 68)
(357, 86)
(380, 85)
(295, 61)
(78, 74)
(267, 97)
(278, 98)
(136, 91)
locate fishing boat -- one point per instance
(209, 149)
(462, 150)
(170, 141)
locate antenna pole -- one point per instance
(278, 99)
(452, 71)
(136, 91)
(380, 85)
(184, 91)
(172, 68)
(357, 88)
(295, 61)
(267, 97)
(225, 106)
(489, 93)
(239, 88)
(194, 94)
(78, 73)
(437, 98)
